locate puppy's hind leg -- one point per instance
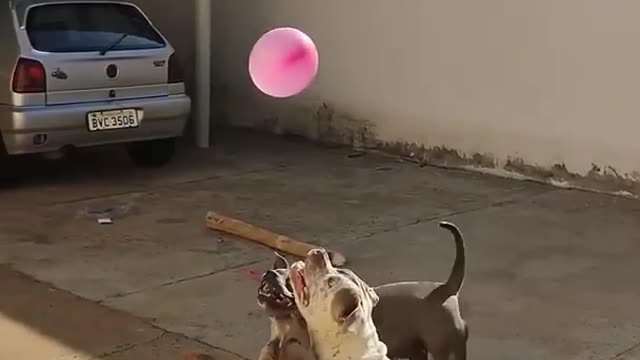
(441, 355)
(460, 346)
(270, 350)
(457, 351)
(419, 354)
(460, 351)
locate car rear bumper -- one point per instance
(66, 125)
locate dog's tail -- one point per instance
(454, 283)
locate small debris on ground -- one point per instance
(106, 212)
(384, 168)
(105, 221)
(356, 154)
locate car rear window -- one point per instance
(86, 27)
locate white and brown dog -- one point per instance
(336, 305)
(412, 318)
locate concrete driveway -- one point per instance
(551, 273)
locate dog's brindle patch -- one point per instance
(289, 337)
(275, 294)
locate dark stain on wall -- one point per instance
(332, 128)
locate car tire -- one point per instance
(8, 172)
(152, 153)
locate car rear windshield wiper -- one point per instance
(113, 44)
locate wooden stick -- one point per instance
(265, 237)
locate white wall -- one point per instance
(547, 81)
(176, 21)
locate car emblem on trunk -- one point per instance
(59, 74)
(112, 71)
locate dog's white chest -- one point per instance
(347, 346)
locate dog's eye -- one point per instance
(330, 282)
(288, 285)
(266, 288)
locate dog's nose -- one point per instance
(317, 258)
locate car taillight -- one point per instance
(29, 76)
(175, 71)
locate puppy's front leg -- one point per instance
(270, 351)
(295, 350)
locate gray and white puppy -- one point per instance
(420, 317)
(412, 318)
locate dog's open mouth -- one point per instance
(299, 282)
(276, 296)
(275, 300)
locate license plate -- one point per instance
(111, 120)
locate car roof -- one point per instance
(21, 6)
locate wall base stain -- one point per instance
(329, 127)
(343, 130)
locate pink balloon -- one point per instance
(283, 62)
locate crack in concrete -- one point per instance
(184, 336)
(217, 348)
(178, 281)
(97, 197)
(496, 204)
(153, 188)
(626, 351)
(133, 346)
(395, 228)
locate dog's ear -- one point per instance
(346, 309)
(372, 294)
(280, 262)
(369, 292)
(366, 289)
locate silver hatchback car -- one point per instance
(79, 73)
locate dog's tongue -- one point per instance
(298, 283)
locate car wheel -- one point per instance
(152, 153)
(8, 172)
